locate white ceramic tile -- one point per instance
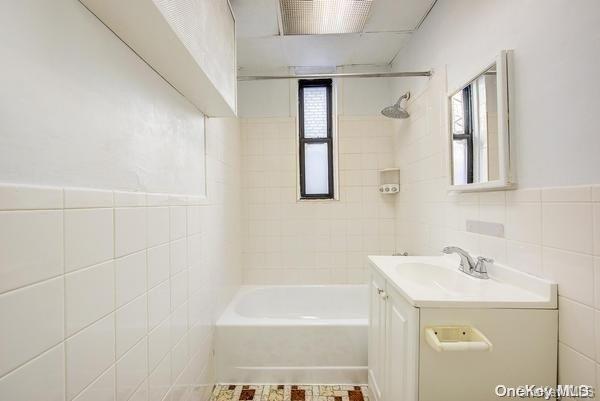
(32, 321)
(525, 257)
(89, 353)
(178, 256)
(597, 282)
(178, 222)
(524, 195)
(158, 225)
(159, 380)
(179, 357)
(130, 230)
(597, 333)
(131, 324)
(31, 247)
(18, 197)
(573, 272)
(43, 378)
(179, 324)
(159, 264)
(567, 194)
(159, 304)
(132, 369)
(524, 222)
(130, 277)
(194, 225)
(568, 226)
(88, 237)
(128, 199)
(574, 367)
(596, 224)
(141, 393)
(177, 200)
(86, 198)
(576, 326)
(179, 289)
(194, 250)
(157, 199)
(197, 200)
(102, 389)
(159, 344)
(596, 193)
(89, 295)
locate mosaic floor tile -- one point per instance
(280, 392)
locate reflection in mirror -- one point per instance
(474, 125)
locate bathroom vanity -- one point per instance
(436, 333)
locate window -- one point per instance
(462, 136)
(316, 140)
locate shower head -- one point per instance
(396, 111)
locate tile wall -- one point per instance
(109, 295)
(286, 241)
(549, 232)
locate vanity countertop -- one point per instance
(436, 282)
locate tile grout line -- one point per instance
(64, 249)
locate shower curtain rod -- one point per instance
(338, 75)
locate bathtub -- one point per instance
(294, 334)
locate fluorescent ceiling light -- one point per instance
(313, 17)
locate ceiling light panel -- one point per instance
(314, 17)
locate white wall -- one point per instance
(79, 108)
(549, 232)
(551, 228)
(106, 294)
(110, 295)
(278, 98)
(556, 47)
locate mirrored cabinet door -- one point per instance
(479, 137)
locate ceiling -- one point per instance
(261, 46)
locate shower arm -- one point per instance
(405, 96)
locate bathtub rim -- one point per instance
(229, 317)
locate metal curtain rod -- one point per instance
(338, 75)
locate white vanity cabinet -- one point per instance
(409, 296)
(393, 334)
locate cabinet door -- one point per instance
(402, 349)
(376, 336)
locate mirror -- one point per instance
(479, 150)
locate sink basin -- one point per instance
(432, 277)
(435, 281)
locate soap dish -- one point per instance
(456, 338)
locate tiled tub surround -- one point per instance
(294, 334)
(287, 241)
(111, 295)
(280, 392)
(549, 232)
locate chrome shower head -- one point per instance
(397, 111)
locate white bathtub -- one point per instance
(294, 334)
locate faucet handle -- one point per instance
(484, 259)
(480, 268)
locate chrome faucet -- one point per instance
(468, 265)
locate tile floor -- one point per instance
(226, 392)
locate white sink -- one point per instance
(435, 281)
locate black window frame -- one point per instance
(468, 130)
(316, 83)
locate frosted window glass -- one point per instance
(316, 168)
(459, 163)
(315, 112)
